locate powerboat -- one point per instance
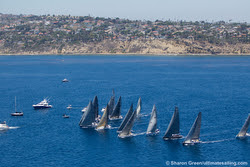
(65, 116)
(84, 109)
(43, 104)
(65, 80)
(69, 107)
(4, 126)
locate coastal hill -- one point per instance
(33, 35)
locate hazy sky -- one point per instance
(208, 10)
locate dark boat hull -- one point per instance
(16, 114)
(41, 107)
(173, 137)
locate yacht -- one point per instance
(65, 80)
(16, 113)
(65, 116)
(84, 109)
(69, 107)
(42, 104)
(3, 126)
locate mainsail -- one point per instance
(104, 120)
(95, 105)
(244, 128)
(153, 122)
(127, 117)
(173, 127)
(194, 133)
(126, 131)
(117, 110)
(111, 104)
(88, 117)
(138, 107)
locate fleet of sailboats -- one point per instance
(91, 119)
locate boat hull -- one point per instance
(174, 137)
(16, 114)
(41, 107)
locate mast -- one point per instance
(15, 103)
(127, 128)
(194, 132)
(138, 107)
(152, 122)
(117, 110)
(174, 125)
(127, 117)
(244, 128)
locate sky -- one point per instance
(189, 10)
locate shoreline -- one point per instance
(130, 54)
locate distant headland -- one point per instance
(65, 34)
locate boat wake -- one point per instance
(217, 141)
(144, 115)
(14, 127)
(138, 134)
(113, 127)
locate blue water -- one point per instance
(219, 87)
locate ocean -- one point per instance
(219, 87)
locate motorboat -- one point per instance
(4, 126)
(65, 116)
(69, 107)
(84, 109)
(65, 80)
(43, 104)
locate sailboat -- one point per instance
(138, 107)
(126, 118)
(16, 113)
(104, 120)
(173, 130)
(152, 126)
(88, 117)
(126, 131)
(243, 131)
(194, 133)
(65, 115)
(111, 104)
(116, 114)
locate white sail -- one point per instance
(138, 107)
(152, 126)
(244, 128)
(194, 133)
